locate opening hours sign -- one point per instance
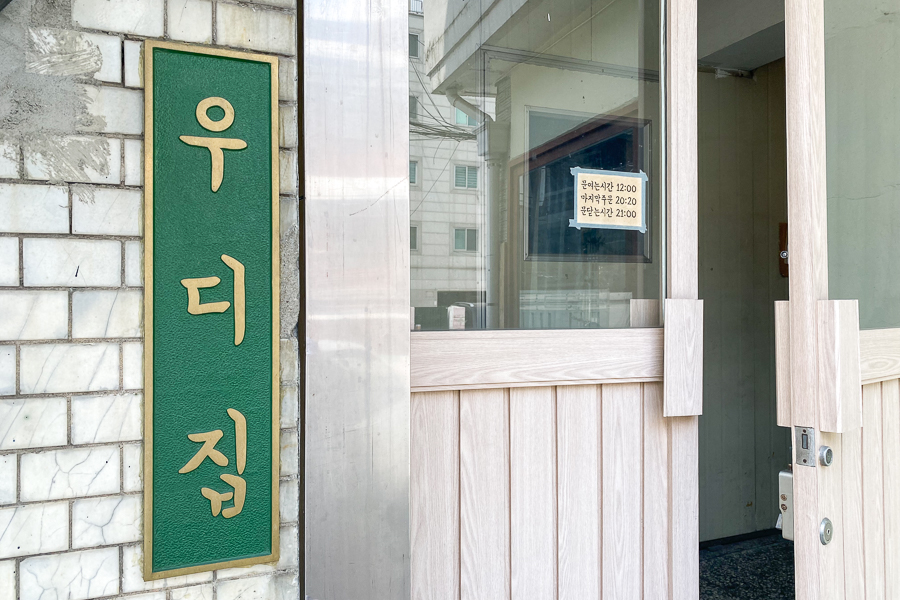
(211, 276)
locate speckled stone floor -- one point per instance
(757, 569)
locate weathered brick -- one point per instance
(74, 158)
(287, 172)
(54, 368)
(133, 365)
(190, 20)
(72, 473)
(290, 454)
(134, 162)
(141, 17)
(73, 575)
(133, 575)
(33, 423)
(98, 211)
(289, 501)
(287, 127)
(104, 521)
(263, 587)
(34, 529)
(9, 158)
(290, 403)
(32, 315)
(101, 419)
(8, 579)
(107, 314)
(64, 52)
(194, 592)
(132, 468)
(7, 370)
(134, 75)
(72, 263)
(9, 261)
(9, 485)
(113, 110)
(134, 276)
(288, 357)
(33, 208)
(265, 30)
(287, 79)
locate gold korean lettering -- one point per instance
(195, 307)
(215, 145)
(237, 483)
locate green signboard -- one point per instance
(211, 279)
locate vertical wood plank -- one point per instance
(532, 441)
(484, 494)
(890, 397)
(655, 493)
(854, 548)
(840, 385)
(683, 359)
(621, 478)
(783, 362)
(831, 557)
(578, 434)
(684, 549)
(434, 496)
(873, 492)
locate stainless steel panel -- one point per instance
(357, 300)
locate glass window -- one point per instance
(512, 111)
(413, 45)
(862, 68)
(413, 108)
(413, 172)
(464, 119)
(413, 237)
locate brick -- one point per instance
(287, 79)
(65, 53)
(72, 263)
(264, 587)
(73, 575)
(107, 314)
(132, 468)
(97, 211)
(112, 109)
(264, 30)
(33, 423)
(8, 579)
(287, 127)
(101, 419)
(54, 368)
(71, 473)
(134, 162)
(33, 208)
(133, 365)
(9, 485)
(9, 158)
(7, 370)
(105, 521)
(34, 529)
(31, 315)
(290, 452)
(134, 276)
(194, 592)
(77, 159)
(287, 172)
(190, 20)
(289, 501)
(288, 358)
(134, 68)
(133, 575)
(141, 17)
(290, 406)
(9, 261)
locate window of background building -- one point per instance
(465, 177)
(464, 119)
(413, 172)
(413, 45)
(413, 108)
(465, 239)
(413, 237)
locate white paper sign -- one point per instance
(609, 200)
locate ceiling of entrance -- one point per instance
(740, 34)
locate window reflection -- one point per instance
(504, 110)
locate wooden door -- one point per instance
(562, 464)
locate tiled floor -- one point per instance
(757, 569)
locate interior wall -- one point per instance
(743, 198)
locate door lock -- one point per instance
(826, 456)
(826, 531)
(805, 446)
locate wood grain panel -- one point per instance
(684, 549)
(532, 440)
(434, 496)
(485, 359)
(890, 397)
(621, 452)
(854, 546)
(484, 495)
(873, 492)
(830, 496)
(655, 493)
(879, 355)
(783, 362)
(840, 387)
(578, 437)
(683, 372)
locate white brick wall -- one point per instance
(71, 306)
